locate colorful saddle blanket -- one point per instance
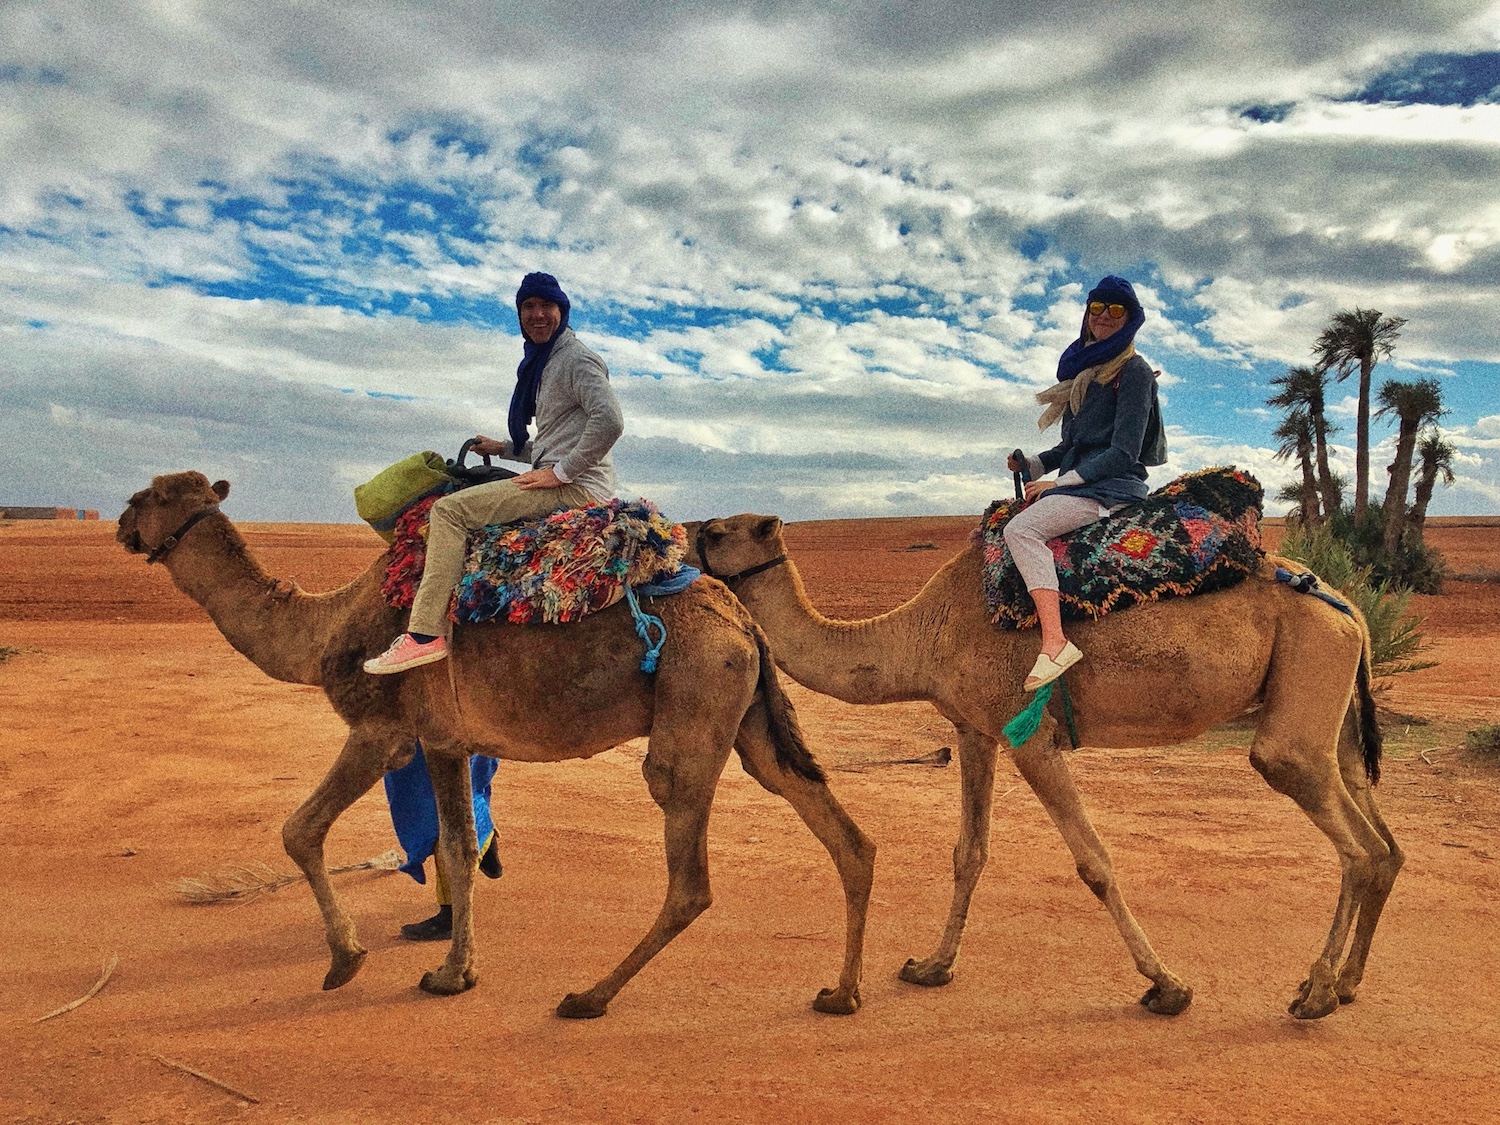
(554, 569)
(1199, 533)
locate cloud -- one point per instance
(284, 239)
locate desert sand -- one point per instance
(141, 749)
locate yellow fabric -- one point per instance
(441, 885)
(1070, 392)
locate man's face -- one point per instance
(540, 319)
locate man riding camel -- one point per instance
(565, 387)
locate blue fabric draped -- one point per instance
(528, 379)
(414, 808)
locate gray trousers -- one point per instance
(1026, 535)
(448, 527)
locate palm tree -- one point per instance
(1355, 340)
(1437, 461)
(1304, 387)
(1296, 434)
(1415, 405)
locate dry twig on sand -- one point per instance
(210, 1079)
(109, 967)
(938, 759)
(241, 884)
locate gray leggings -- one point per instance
(1026, 535)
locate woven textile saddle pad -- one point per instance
(553, 569)
(1199, 533)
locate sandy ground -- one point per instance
(142, 749)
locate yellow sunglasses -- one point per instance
(1098, 307)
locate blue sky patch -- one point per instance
(1437, 79)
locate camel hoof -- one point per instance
(1170, 1001)
(342, 971)
(1346, 989)
(577, 1006)
(926, 973)
(835, 1002)
(440, 982)
(1314, 1004)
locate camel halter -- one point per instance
(166, 546)
(702, 548)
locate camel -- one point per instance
(534, 693)
(1156, 674)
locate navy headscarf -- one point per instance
(529, 373)
(1082, 353)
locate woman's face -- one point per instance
(1104, 323)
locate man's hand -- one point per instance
(538, 478)
(1035, 488)
(489, 447)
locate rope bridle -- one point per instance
(702, 548)
(167, 545)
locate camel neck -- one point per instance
(280, 629)
(875, 660)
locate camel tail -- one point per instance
(1369, 729)
(792, 753)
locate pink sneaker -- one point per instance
(407, 652)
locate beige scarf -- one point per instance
(1070, 392)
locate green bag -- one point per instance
(382, 499)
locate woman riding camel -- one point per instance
(1105, 396)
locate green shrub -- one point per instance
(1415, 566)
(1484, 740)
(1396, 640)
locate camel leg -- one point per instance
(448, 768)
(1295, 761)
(853, 853)
(1352, 768)
(1041, 763)
(359, 765)
(976, 763)
(682, 771)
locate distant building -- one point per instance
(48, 513)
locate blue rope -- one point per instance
(1307, 583)
(644, 623)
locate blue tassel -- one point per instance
(1024, 725)
(644, 623)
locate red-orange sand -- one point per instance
(140, 749)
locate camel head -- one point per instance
(729, 548)
(164, 511)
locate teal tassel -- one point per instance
(1024, 725)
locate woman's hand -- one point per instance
(1035, 488)
(489, 447)
(1012, 464)
(538, 478)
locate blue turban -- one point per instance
(1083, 353)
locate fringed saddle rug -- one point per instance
(553, 569)
(1199, 533)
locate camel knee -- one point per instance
(969, 858)
(658, 780)
(1097, 876)
(298, 839)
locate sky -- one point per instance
(829, 252)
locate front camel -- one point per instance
(1157, 674)
(505, 692)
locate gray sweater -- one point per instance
(578, 419)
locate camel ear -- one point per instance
(768, 526)
(221, 488)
